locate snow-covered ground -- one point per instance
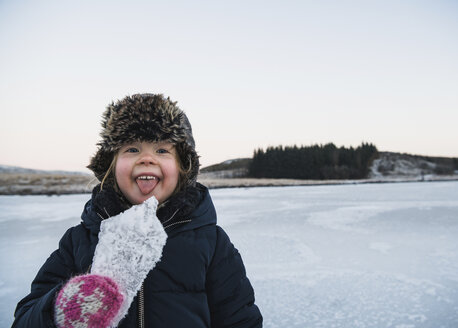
(369, 255)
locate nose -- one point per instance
(147, 158)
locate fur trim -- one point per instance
(108, 202)
(179, 206)
(145, 117)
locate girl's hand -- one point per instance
(88, 301)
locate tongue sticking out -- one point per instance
(146, 186)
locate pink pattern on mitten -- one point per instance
(88, 301)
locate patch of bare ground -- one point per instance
(45, 183)
(251, 182)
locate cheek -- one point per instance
(173, 172)
(121, 171)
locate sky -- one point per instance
(248, 74)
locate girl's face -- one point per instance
(145, 169)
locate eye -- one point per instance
(131, 150)
(162, 151)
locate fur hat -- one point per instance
(145, 117)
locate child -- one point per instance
(148, 252)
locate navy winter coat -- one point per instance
(200, 280)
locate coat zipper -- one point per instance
(141, 307)
(141, 293)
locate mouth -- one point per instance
(146, 183)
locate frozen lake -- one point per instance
(374, 255)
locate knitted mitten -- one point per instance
(89, 301)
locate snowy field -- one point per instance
(374, 255)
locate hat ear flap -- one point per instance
(100, 162)
(189, 163)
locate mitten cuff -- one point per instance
(87, 301)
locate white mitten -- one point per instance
(130, 244)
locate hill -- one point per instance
(233, 168)
(396, 165)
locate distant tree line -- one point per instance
(313, 162)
